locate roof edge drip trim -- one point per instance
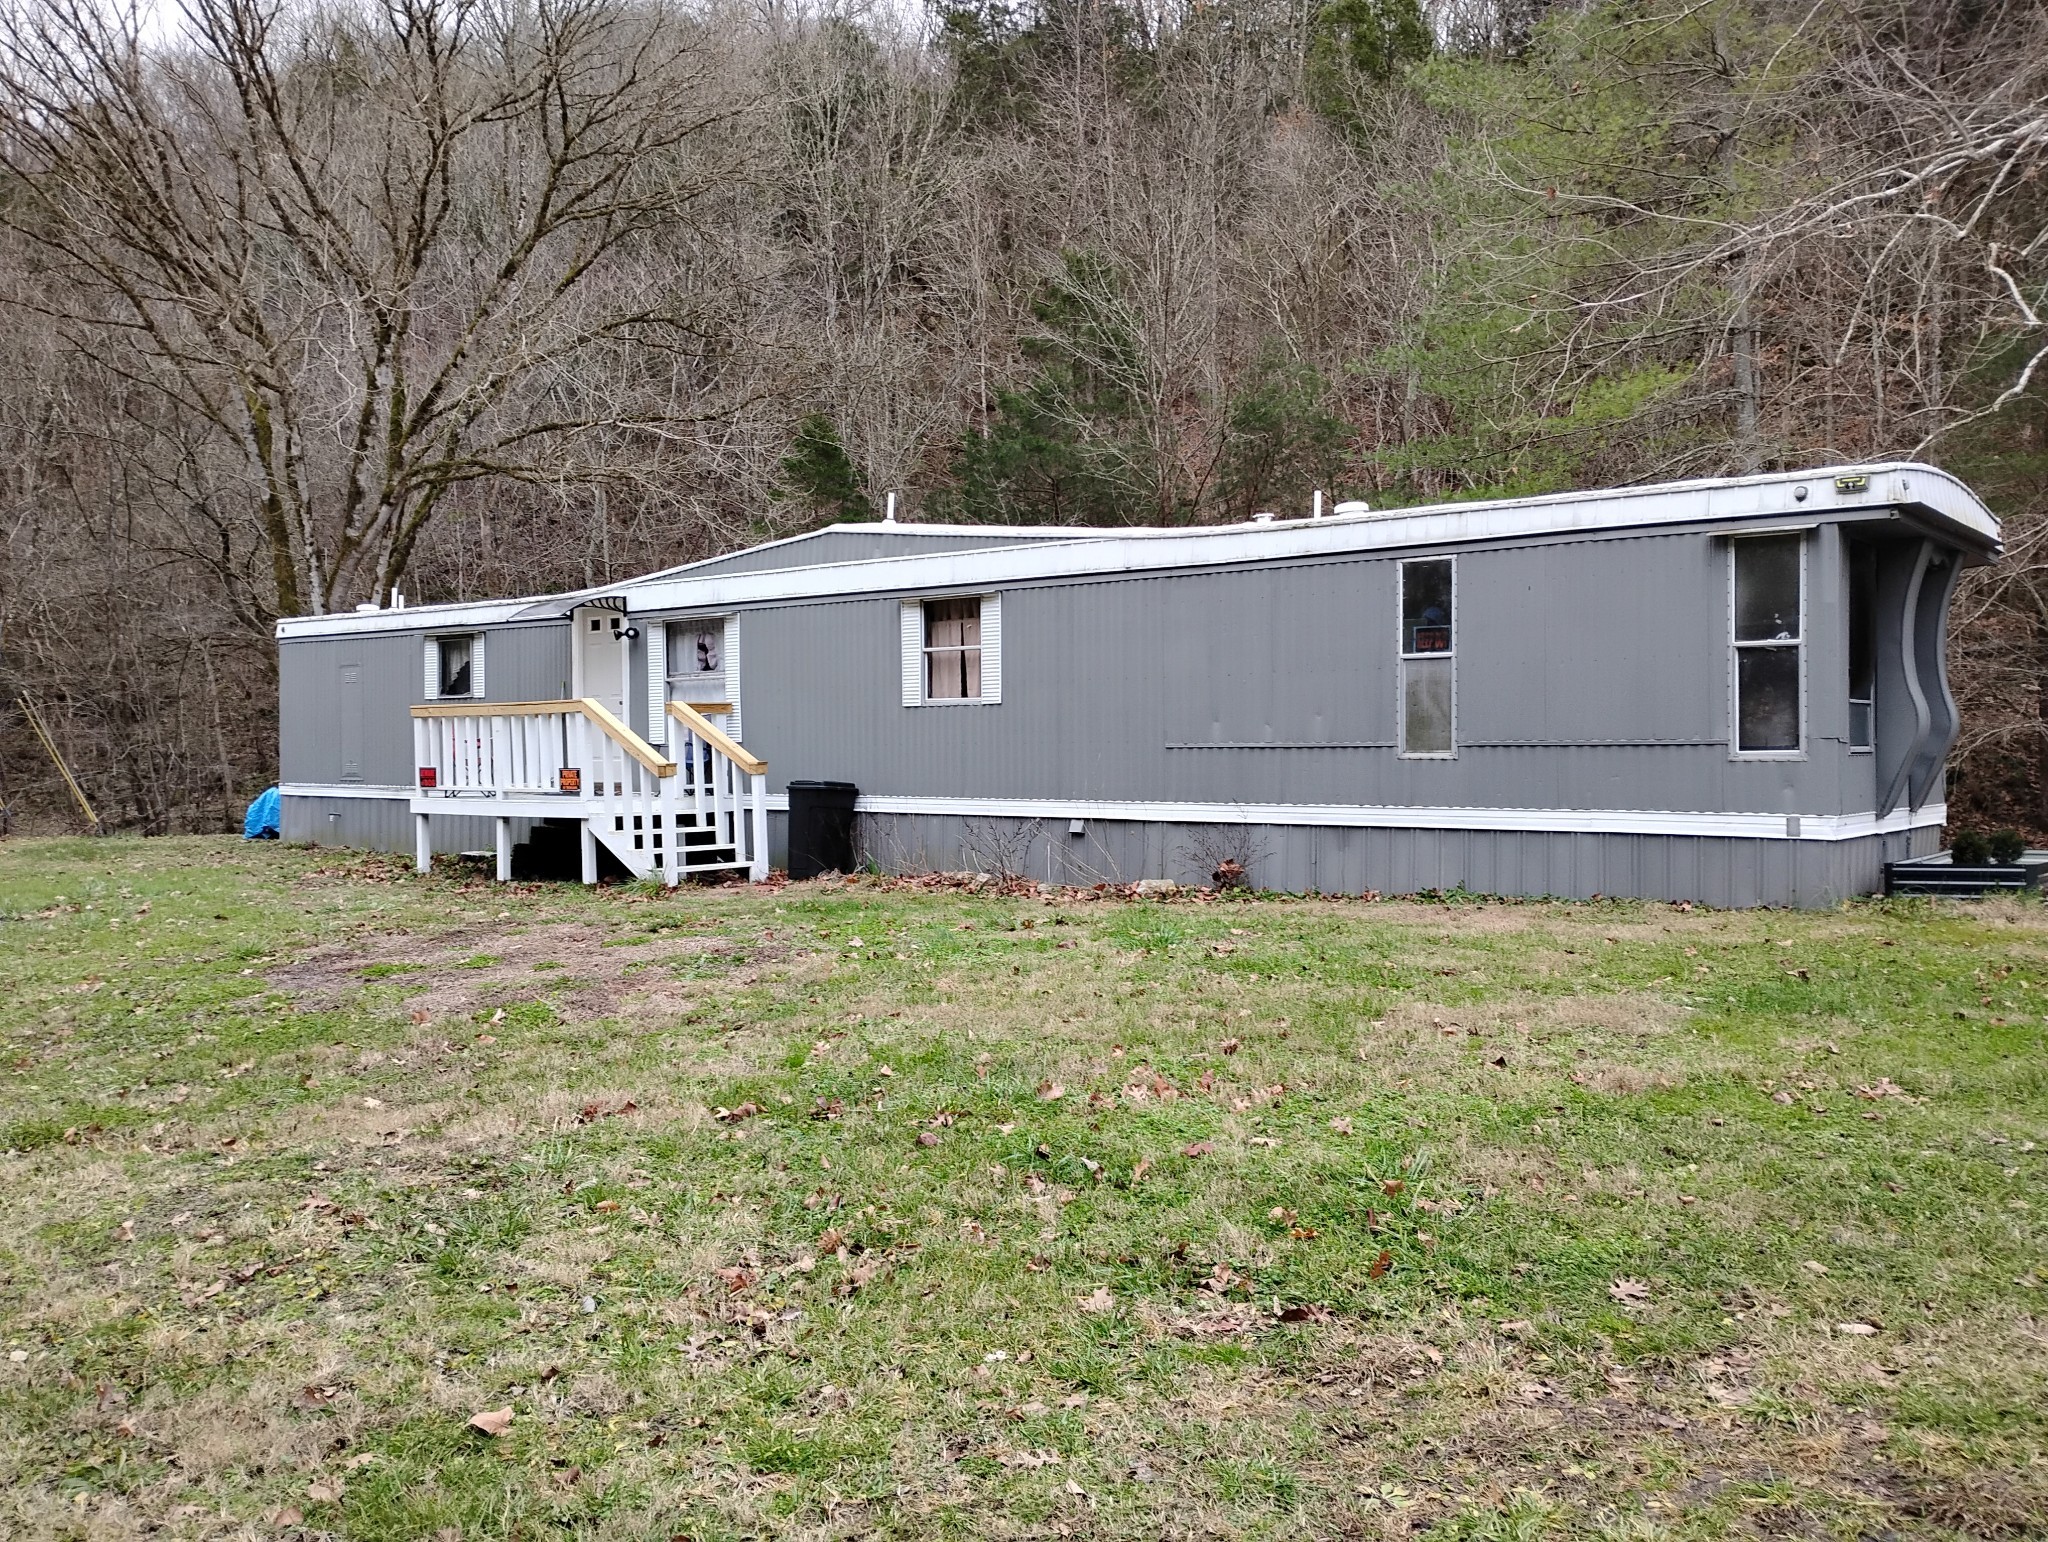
(1816, 494)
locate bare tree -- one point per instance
(353, 242)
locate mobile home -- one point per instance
(1731, 691)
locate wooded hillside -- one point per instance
(305, 305)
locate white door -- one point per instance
(601, 658)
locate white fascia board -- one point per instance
(414, 618)
(430, 618)
(995, 535)
(1720, 501)
(1763, 827)
(1052, 554)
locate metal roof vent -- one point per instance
(1353, 506)
(1265, 517)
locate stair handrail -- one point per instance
(625, 738)
(717, 738)
(596, 711)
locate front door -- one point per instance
(601, 658)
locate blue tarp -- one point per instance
(261, 822)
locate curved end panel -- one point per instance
(1930, 654)
(1904, 718)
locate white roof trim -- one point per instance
(413, 618)
(1770, 498)
(1074, 553)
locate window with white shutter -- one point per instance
(952, 650)
(657, 684)
(912, 637)
(455, 666)
(732, 674)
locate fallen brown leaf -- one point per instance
(491, 1421)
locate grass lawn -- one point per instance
(867, 1210)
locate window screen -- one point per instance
(456, 655)
(1768, 614)
(694, 652)
(1428, 684)
(952, 650)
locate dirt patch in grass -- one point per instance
(580, 971)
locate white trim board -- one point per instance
(1647, 509)
(1773, 497)
(364, 790)
(1767, 827)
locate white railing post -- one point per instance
(504, 849)
(422, 845)
(758, 871)
(672, 836)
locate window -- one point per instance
(953, 650)
(696, 662)
(1862, 646)
(1427, 657)
(458, 657)
(1768, 615)
(696, 658)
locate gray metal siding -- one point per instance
(1708, 870)
(524, 663)
(385, 824)
(317, 733)
(1590, 675)
(310, 726)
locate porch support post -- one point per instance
(672, 831)
(757, 794)
(589, 853)
(504, 849)
(422, 845)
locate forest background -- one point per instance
(303, 304)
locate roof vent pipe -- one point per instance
(1353, 506)
(889, 518)
(1317, 511)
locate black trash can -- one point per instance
(821, 828)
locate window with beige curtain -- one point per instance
(952, 650)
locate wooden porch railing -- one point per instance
(644, 807)
(713, 763)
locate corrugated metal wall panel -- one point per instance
(530, 663)
(527, 663)
(1710, 870)
(1278, 685)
